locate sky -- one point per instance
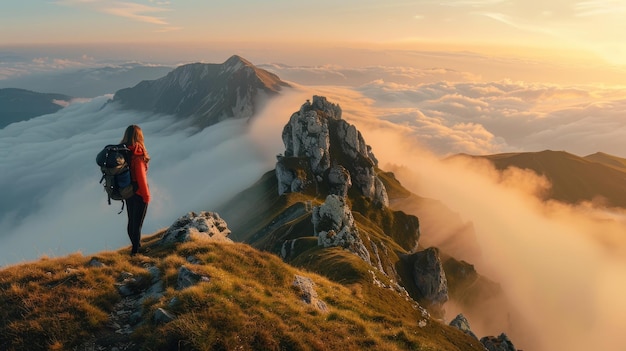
(573, 29)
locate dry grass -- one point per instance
(248, 304)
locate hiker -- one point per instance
(137, 205)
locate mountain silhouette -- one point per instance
(19, 104)
(206, 93)
(599, 178)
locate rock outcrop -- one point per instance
(430, 279)
(317, 134)
(461, 323)
(203, 225)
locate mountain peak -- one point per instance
(237, 61)
(205, 93)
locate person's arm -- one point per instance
(139, 168)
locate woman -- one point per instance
(137, 205)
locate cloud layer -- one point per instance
(450, 112)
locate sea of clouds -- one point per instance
(552, 260)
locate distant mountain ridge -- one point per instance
(208, 93)
(19, 104)
(596, 177)
(88, 82)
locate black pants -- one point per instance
(136, 210)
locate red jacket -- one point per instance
(138, 171)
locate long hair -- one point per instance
(134, 136)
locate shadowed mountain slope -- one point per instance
(19, 105)
(208, 93)
(598, 177)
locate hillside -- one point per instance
(205, 294)
(600, 178)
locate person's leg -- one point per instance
(136, 210)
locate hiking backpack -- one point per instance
(114, 162)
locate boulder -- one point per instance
(187, 278)
(306, 287)
(203, 225)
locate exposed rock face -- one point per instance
(207, 92)
(294, 175)
(430, 279)
(317, 133)
(334, 225)
(203, 225)
(339, 181)
(461, 323)
(500, 343)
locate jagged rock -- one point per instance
(307, 135)
(162, 316)
(306, 286)
(430, 279)
(203, 225)
(187, 278)
(461, 323)
(339, 180)
(334, 225)
(500, 343)
(317, 133)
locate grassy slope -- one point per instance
(248, 304)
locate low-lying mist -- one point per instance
(561, 266)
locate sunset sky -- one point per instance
(570, 28)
